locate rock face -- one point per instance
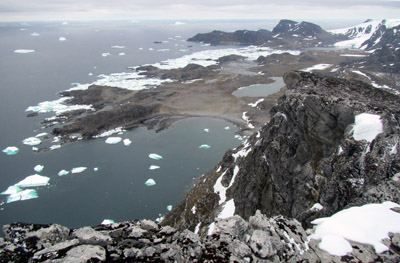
(260, 239)
(286, 33)
(305, 155)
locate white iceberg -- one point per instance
(38, 168)
(34, 180)
(108, 222)
(113, 140)
(367, 127)
(96, 169)
(169, 207)
(317, 67)
(127, 142)
(32, 141)
(24, 51)
(77, 170)
(63, 172)
(368, 224)
(154, 167)
(62, 39)
(121, 54)
(12, 190)
(204, 146)
(207, 130)
(227, 128)
(41, 134)
(118, 47)
(106, 54)
(150, 182)
(34, 34)
(155, 156)
(23, 195)
(11, 150)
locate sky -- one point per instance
(68, 10)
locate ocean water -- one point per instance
(78, 52)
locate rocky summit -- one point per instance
(309, 161)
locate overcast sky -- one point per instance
(31, 10)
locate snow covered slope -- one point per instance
(368, 35)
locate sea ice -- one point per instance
(12, 190)
(34, 180)
(121, 54)
(32, 141)
(78, 169)
(127, 142)
(34, 34)
(206, 130)
(155, 156)
(367, 127)
(41, 134)
(204, 146)
(169, 207)
(108, 222)
(106, 54)
(113, 140)
(118, 47)
(57, 106)
(150, 182)
(62, 39)
(367, 224)
(11, 150)
(154, 167)
(227, 128)
(24, 51)
(63, 172)
(23, 195)
(38, 168)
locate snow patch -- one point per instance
(316, 207)
(368, 224)
(228, 210)
(317, 67)
(367, 127)
(255, 104)
(57, 106)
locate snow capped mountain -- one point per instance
(369, 35)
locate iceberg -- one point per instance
(12, 190)
(227, 128)
(23, 195)
(150, 182)
(41, 134)
(154, 167)
(127, 142)
(32, 141)
(62, 39)
(204, 146)
(96, 169)
(118, 47)
(11, 150)
(169, 208)
(155, 156)
(106, 54)
(206, 130)
(113, 140)
(34, 180)
(24, 51)
(108, 222)
(121, 54)
(77, 170)
(38, 168)
(63, 172)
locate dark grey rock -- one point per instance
(88, 235)
(83, 253)
(148, 225)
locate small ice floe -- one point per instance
(150, 182)
(163, 50)
(169, 207)
(368, 224)
(117, 130)
(32, 141)
(204, 146)
(11, 190)
(77, 170)
(107, 222)
(227, 128)
(154, 167)
(35, 149)
(206, 130)
(90, 74)
(22, 195)
(54, 147)
(11, 150)
(34, 180)
(41, 134)
(34, 34)
(121, 54)
(367, 126)
(127, 142)
(38, 168)
(118, 47)
(96, 169)
(62, 39)
(106, 54)
(155, 156)
(24, 51)
(63, 172)
(113, 140)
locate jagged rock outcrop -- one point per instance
(305, 155)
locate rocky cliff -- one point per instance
(306, 155)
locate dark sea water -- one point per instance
(116, 190)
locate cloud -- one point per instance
(195, 9)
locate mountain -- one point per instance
(286, 33)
